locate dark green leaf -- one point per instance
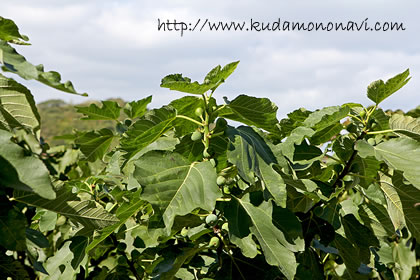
(12, 228)
(37, 238)
(78, 246)
(326, 117)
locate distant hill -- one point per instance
(59, 118)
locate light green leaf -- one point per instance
(95, 144)
(405, 126)
(9, 32)
(295, 138)
(395, 209)
(277, 250)
(378, 91)
(59, 265)
(110, 110)
(86, 212)
(22, 172)
(174, 186)
(17, 106)
(147, 130)
(16, 63)
(253, 111)
(47, 221)
(402, 154)
(137, 109)
(404, 259)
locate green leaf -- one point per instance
(378, 91)
(253, 111)
(405, 126)
(16, 63)
(86, 212)
(277, 250)
(17, 106)
(326, 134)
(22, 172)
(137, 109)
(321, 119)
(366, 167)
(147, 130)
(9, 32)
(402, 154)
(186, 106)
(95, 144)
(305, 154)
(330, 213)
(124, 212)
(189, 149)
(213, 79)
(410, 200)
(110, 110)
(174, 186)
(78, 246)
(218, 75)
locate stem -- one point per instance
(356, 117)
(230, 255)
(333, 158)
(189, 119)
(348, 163)
(381, 131)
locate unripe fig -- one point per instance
(371, 141)
(184, 231)
(206, 154)
(213, 162)
(214, 242)
(196, 135)
(225, 227)
(198, 112)
(226, 190)
(211, 220)
(221, 180)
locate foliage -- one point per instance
(179, 193)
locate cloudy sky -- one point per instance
(114, 49)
